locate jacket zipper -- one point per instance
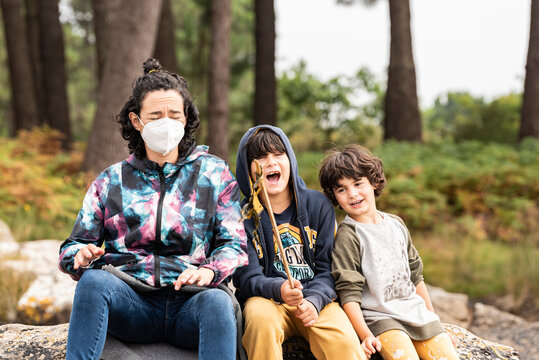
(157, 261)
(308, 253)
(123, 262)
(265, 256)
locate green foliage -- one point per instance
(500, 120)
(460, 116)
(309, 163)
(242, 60)
(192, 34)
(317, 113)
(492, 183)
(41, 189)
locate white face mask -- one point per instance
(162, 135)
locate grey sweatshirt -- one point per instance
(377, 266)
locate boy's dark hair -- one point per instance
(157, 78)
(263, 142)
(354, 162)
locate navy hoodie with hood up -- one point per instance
(316, 221)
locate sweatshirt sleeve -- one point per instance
(229, 240)
(416, 265)
(88, 228)
(250, 280)
(320, 291)
(346, 268)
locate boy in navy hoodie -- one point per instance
(273, 311)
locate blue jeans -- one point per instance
(103, 303)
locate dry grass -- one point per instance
(13, 284)
(458, 261)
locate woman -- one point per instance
(168, 216)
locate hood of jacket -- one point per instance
(242, 168)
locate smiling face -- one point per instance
(276, 173)
(356, 197)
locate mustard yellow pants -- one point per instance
(396, 344)
(268, 325)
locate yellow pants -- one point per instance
(268, 325)
(396, 344)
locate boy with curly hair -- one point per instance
(377, 270)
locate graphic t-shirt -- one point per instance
(292, 246)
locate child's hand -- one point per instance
(307, 313)
(371, 345)
(292, 297)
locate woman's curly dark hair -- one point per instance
(353, 162)
(156, 78)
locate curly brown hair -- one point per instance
(354, 162)
(156, 78)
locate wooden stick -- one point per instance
(276, 237)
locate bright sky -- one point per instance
(479, 46)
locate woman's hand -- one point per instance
(86, 255)
(292, 297)
(371, 345)
(201, 277)
(307, 313)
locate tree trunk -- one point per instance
(130, 33)
(165, 49)
(32, 25)
(102, 21)
(265, 106)
(23, 95)
(219, 78)
(402, 120)
(53, 69)
(529, 125)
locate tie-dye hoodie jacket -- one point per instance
(156, 222)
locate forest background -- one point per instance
(461, 172)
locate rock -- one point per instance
(470, 346)
(495, 325)
(297, 348)
(525, 305)
(47, 301)
(117, 350)
(452, 308)
(8, 245)
(49, 298)
(49, 342)
(33, 342)
(39, 257)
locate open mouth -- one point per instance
(273, 177)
